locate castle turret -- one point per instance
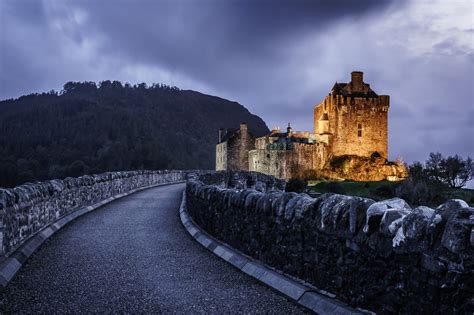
(289, 130)
(323, 124)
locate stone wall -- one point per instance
(238, 180)
(382, 256)
(26, 209)
(292, 160)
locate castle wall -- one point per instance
(359, 126)
(292, 160)
(221, 156)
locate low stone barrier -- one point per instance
(26, 209)
(382, 256)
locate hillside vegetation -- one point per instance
(430, 183)
(89, 128)
(380, 190)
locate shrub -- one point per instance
(384, 191)
(335, 188)
(296, 185)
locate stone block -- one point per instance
(283, 284)
(9, 268)
(253, 269)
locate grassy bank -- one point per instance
(380, 190)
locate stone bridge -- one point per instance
(227, 242)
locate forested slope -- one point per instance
(88, 129)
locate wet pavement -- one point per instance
(133, 255)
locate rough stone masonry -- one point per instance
(349, 141)
(383, 256)
(26, 209)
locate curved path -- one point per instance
(133, 255)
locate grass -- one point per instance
(463, 193)
(362, 189)
(379, 190)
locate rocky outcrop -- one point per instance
(358, 168)
(382, 256)
(26, 209)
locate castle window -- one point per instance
(359, 130)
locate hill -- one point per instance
(89, 128)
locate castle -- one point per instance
(349, 141)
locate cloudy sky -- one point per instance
(277, 58)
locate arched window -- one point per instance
(359, 130)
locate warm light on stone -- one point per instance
(349, 141)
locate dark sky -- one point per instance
(277, 58)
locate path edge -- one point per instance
(10, 266)
(294, 289)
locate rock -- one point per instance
(413, 228)
(391, 221)
(431, 263)
(457, 232)
(302, 206)
(330, 209)
(472, 235)
(280, 203)
(357, 213)
(447, 208)
(376, 211)
(251, 200)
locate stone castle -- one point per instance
(349, 141)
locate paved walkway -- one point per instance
(134, 256)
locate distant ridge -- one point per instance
(89, 128)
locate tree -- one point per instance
(452, 171)
(433, 166)
(417, 171)
(456, 172)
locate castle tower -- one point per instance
(233, 147)
(353, 119)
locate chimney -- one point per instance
(357, 78)
(222, 133)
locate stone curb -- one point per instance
(301, 293)
(11, 264)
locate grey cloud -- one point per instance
(278, 58)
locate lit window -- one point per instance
(359, 130)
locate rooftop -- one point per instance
(355, 88)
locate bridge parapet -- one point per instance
(383, 256)
(27, 209)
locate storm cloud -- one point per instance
(277, 58)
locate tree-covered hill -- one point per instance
(89, 128)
